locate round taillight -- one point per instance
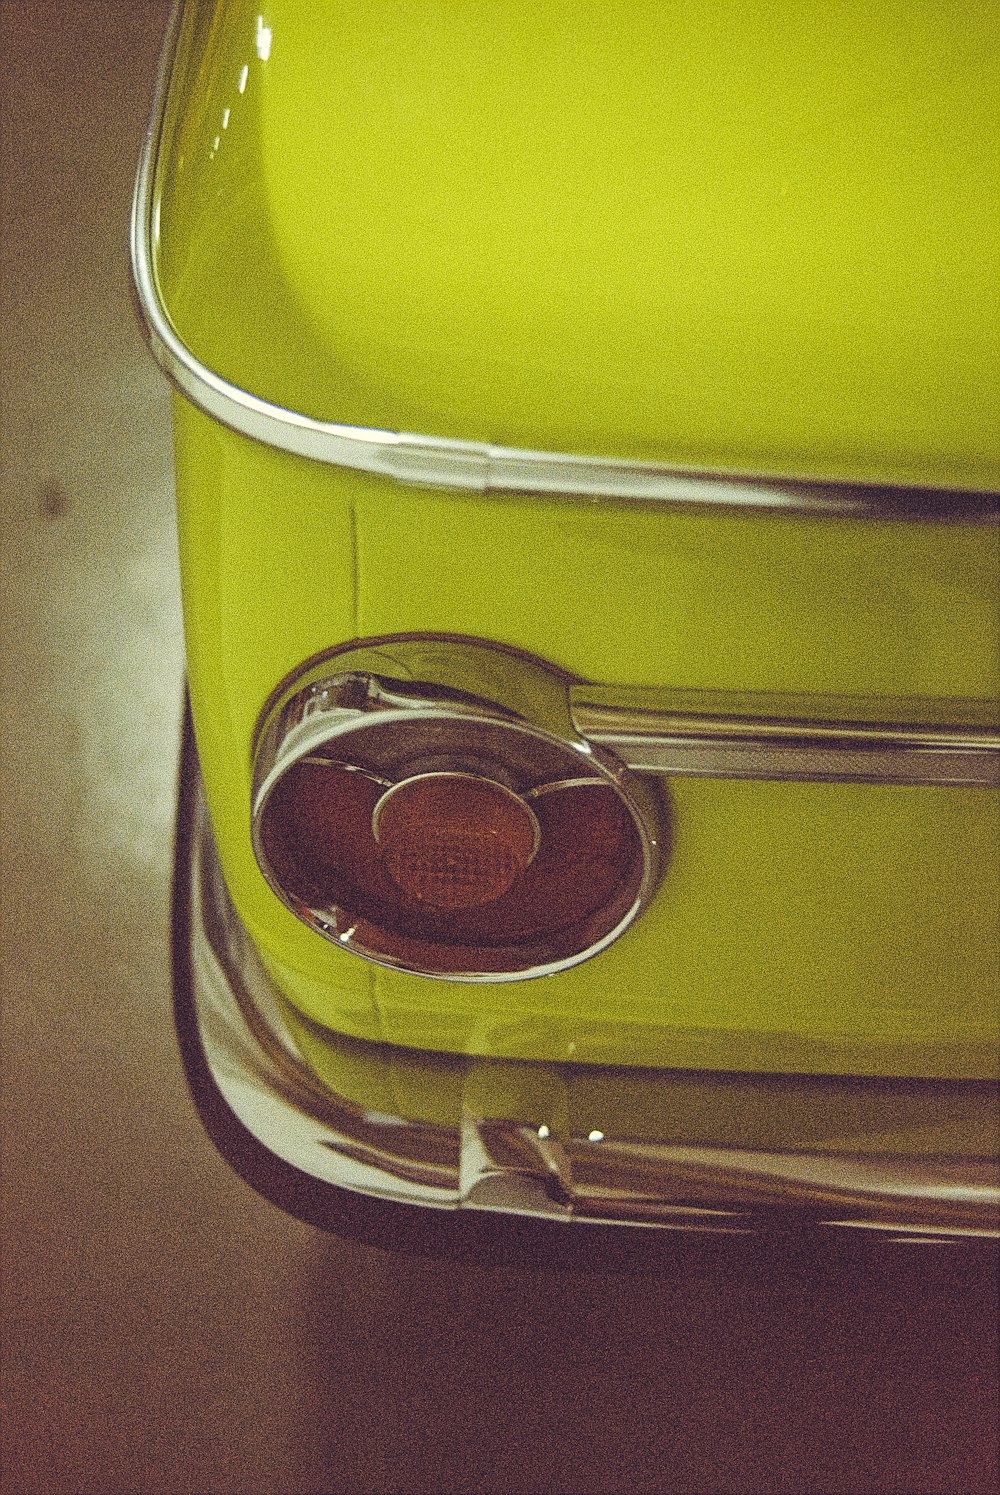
(444, 835)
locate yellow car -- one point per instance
(587, 453)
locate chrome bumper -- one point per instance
(244, 1067)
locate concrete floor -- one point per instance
(164, 1328)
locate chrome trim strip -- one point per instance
(519, 1167)
(715, 736)
(478, 467)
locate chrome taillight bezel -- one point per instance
(462, 705)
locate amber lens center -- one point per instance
(452, 840)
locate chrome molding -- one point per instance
(485, 1163)
(712, 735)
(478, 467)
(650, 730)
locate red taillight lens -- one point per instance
(457, 874)
(427, 805)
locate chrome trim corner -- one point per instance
(477, 467)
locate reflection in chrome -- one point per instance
(489, 1163)
(321, 760)
(560, 784)
(477, 467)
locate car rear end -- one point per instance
(587, 485)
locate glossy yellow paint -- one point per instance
(758, 237)
(837, 323)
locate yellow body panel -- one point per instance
(817, 927)
(709, 233)
(758, 237)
